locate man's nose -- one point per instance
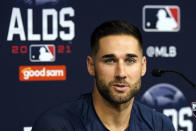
(120, 72)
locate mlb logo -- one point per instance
(42, 53)
(193, 105)
(161, 18)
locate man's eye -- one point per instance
(130, 61)
(109, 61)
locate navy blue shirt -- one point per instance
(80, 115)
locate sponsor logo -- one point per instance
(193, 105)
(42, 73)
(162, 51)
(42, 53)
(161, 18)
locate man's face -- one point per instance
(118, 67)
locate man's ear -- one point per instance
(90, 65)
(144, 63)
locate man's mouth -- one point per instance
(120, 87)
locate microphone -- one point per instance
(160, 72)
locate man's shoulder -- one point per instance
(73, 106)
(67, 115)
(153, 118)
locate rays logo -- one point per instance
(161, 18)
(171, 101)
(193, 104)
(42, 53)
(163, 95)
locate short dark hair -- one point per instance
(114, 27)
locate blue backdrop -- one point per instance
(67, 25)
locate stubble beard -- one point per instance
(114, 98)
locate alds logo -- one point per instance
(42, 73)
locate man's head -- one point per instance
(116, 62)
(115, 27)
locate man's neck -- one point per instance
(113, 117)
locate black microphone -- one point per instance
(159, 72)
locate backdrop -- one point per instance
(44, 44)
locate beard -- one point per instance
(115, 97)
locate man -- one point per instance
(117, 65)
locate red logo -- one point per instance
(42, 73)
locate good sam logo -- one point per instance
(42, 73)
